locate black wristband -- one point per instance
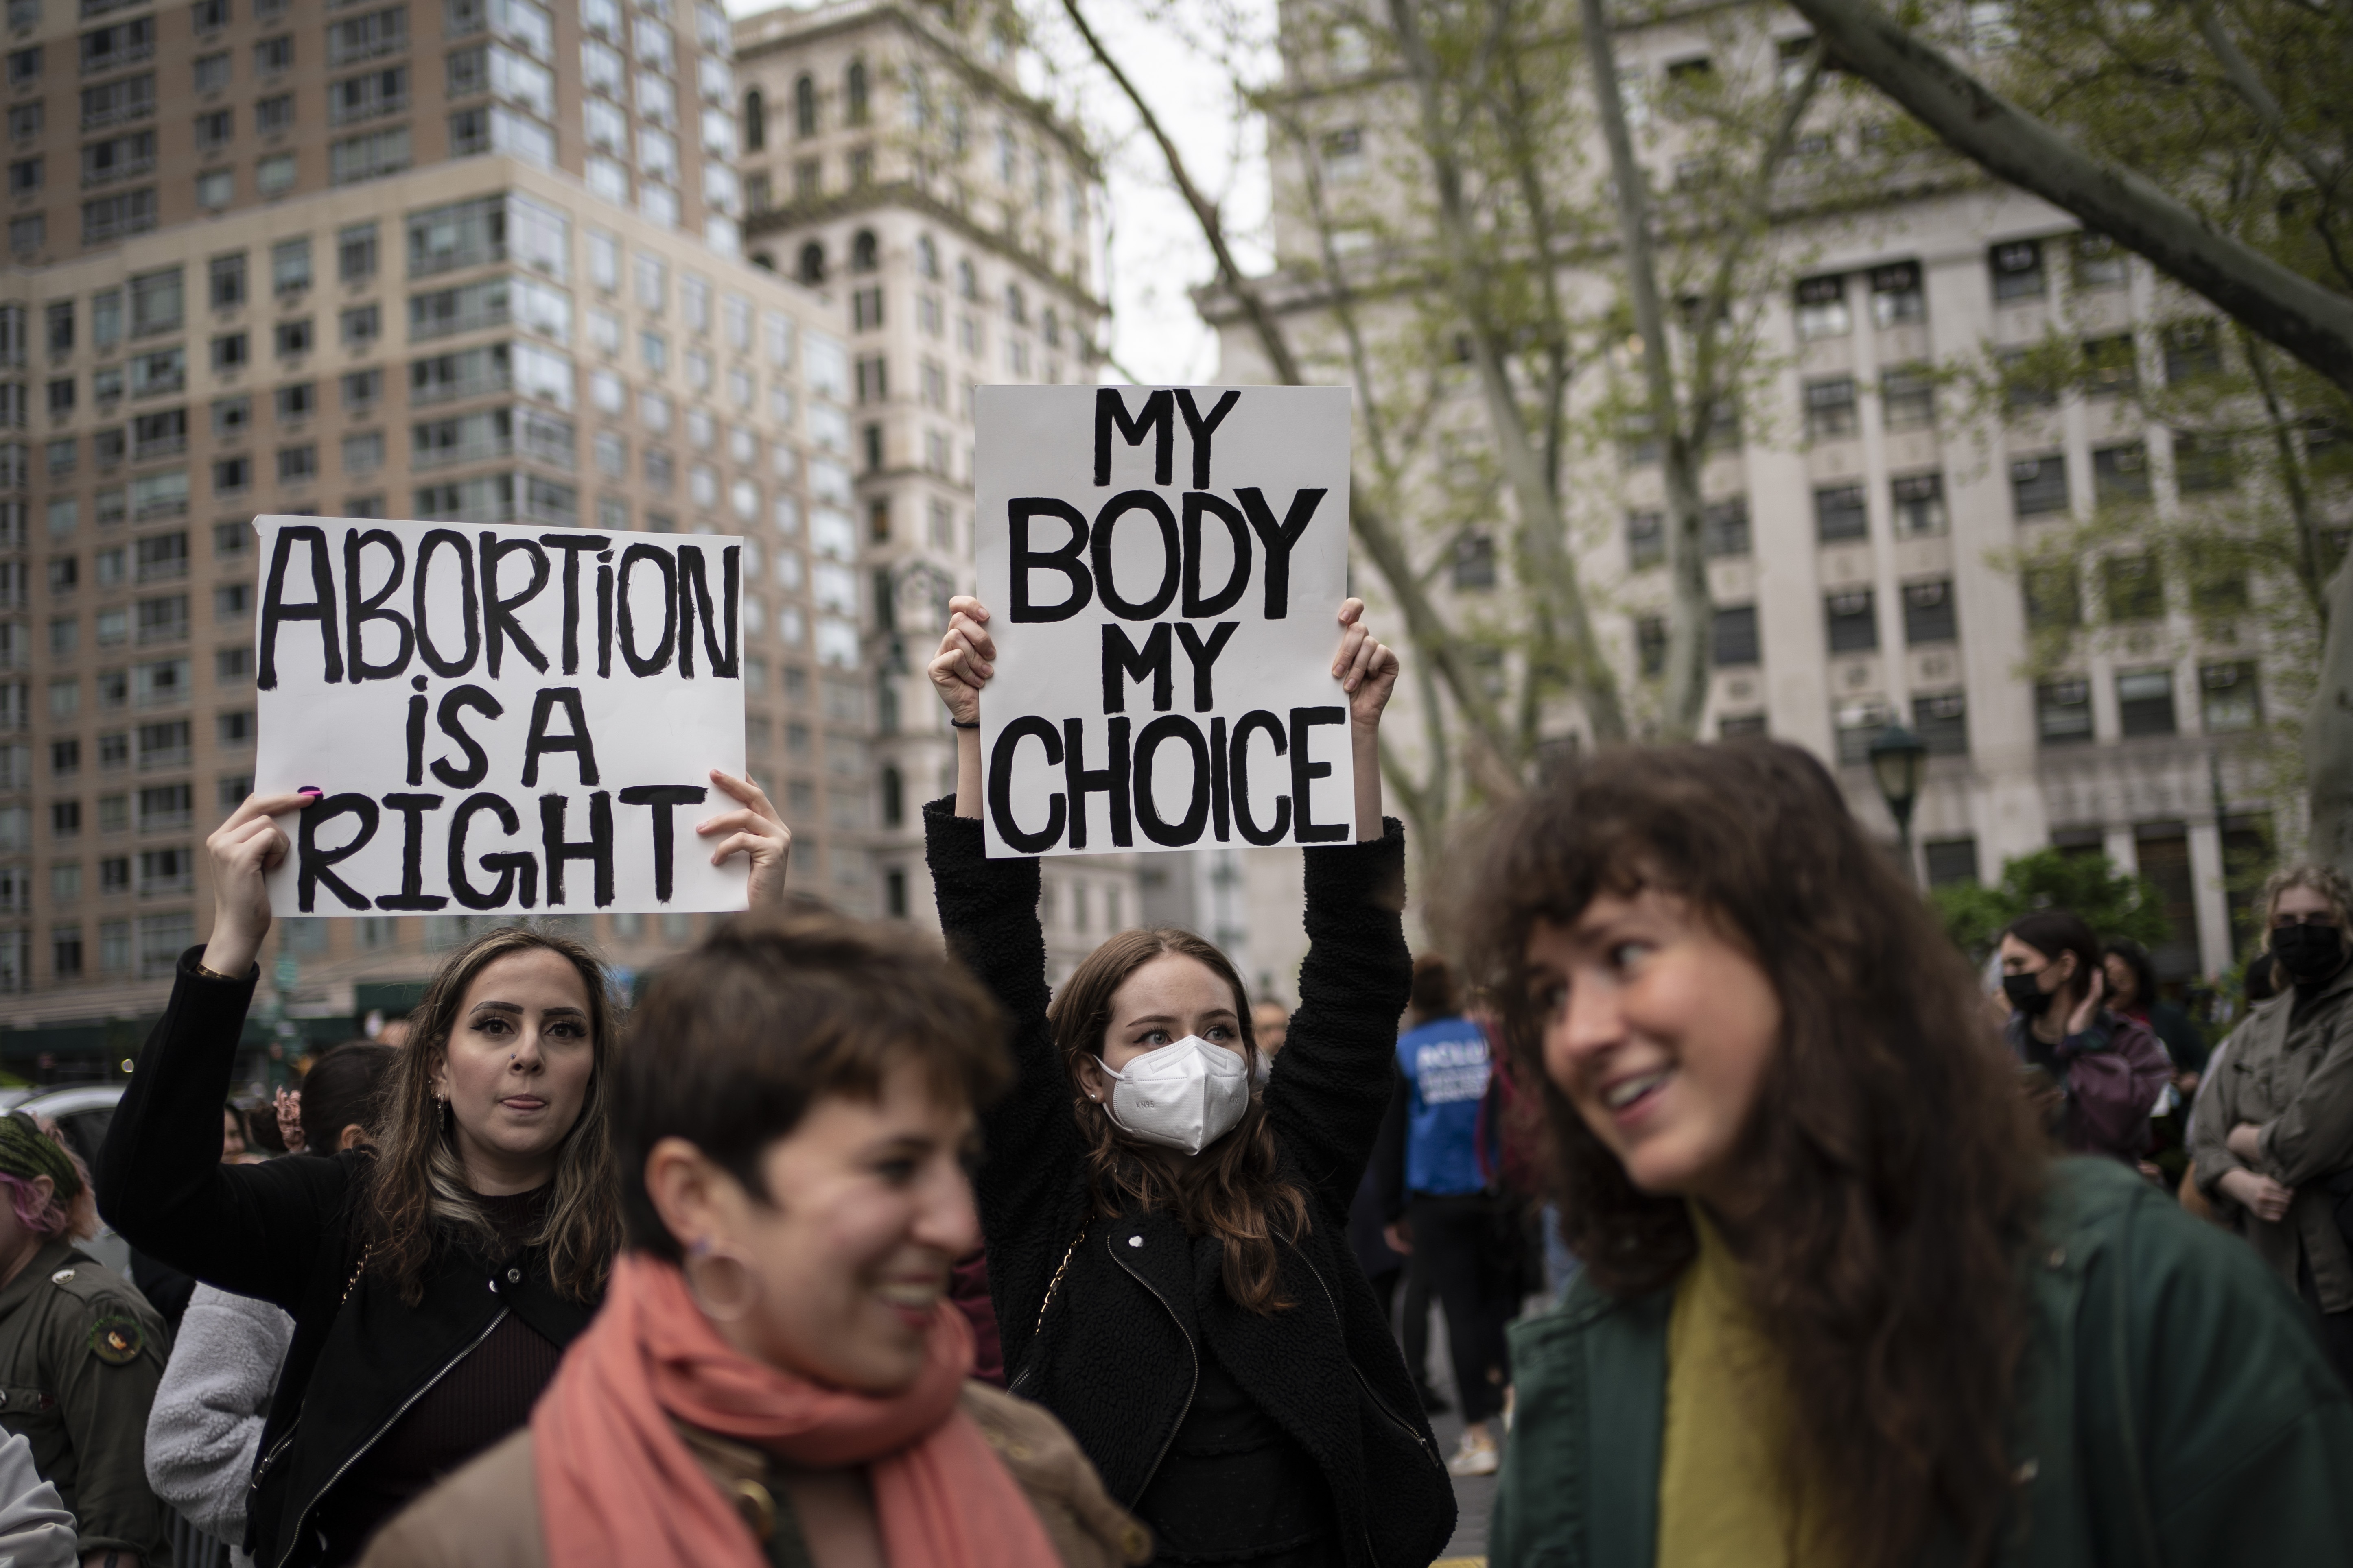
(960, 724)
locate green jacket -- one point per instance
(2176, 1407)
(80, 1354)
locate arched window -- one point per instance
(927, 257)
(894, 796)
(805, 108)
(756, 122)
(764, 260)
(855, 89)
(1054, 329)
(967, 280)
(1016, 309)
(812, 271)
(865, 254)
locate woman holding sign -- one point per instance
(1168, 1243)
(436, 1277)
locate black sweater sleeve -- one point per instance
(255, 1230)
(988, 911)
(1328, 1096)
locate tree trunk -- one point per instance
(2299, 315)
(2329, 735)
(1532, 489)
(1691, 613)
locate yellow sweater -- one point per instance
(1723, 1496)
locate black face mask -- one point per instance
(2308, 952)
(2026, 994)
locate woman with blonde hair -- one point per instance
(434, 1278)
(2273, 1135)
(1167, 1240)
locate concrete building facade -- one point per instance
(474, 260)
(1863, 540)
(891, 162)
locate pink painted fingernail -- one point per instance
(313, 791)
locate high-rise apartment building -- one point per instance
(891, 162)
(472, 259)
(1863, 539)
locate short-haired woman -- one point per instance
(1167, 1244)
(435, 1279)
(2099, 1074)
(778, 1375)
(1839, 1304)
(2275, 1129)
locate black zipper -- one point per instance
(302, 1519)
(1190, 1349)
(1402, 1425)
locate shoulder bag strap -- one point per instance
(1054, 1285)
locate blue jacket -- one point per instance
(2175, 1408)
(1445, 1067)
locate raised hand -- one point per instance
(2089, 1007)
(965, 659)
(1365, 668)
(244, 849)
(756, 831)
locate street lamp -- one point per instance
(1896, 756)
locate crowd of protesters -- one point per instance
(1757, 1238)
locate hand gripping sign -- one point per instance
(499, 719)
(1162, 566)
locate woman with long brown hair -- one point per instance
(434, 1278)
(1839, 1304)
(1167, 1243)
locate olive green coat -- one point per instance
(2176, 1407)
(80, 1354)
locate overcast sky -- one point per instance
(1158, 255)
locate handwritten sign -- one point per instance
(500, 718)
(1163, 567)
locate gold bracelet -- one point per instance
(205, 974)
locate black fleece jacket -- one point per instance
(1118, 1352)
(290, 1231)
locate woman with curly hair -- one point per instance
(436, 1276)
(1840, 1303)
(1167, 1243)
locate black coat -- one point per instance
(1117, 1358)
(289, 1232)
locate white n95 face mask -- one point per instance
(1182, 1096)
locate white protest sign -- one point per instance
(1163, 567)
(499, 719)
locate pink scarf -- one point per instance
(618, 1488)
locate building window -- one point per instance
(2230, 701)
(1919, 504)
(2097, 262)
(1895, 296)
(1724, 528)
(1474, 562)
(1821, 309)
(1928, 613)
(2192, 350)
(2202, 464)
(2144, 703)
(756, 122)
(1651, 643)
(2120, 474)
(1907, 399)
(2018, 270)
(2110, 369)
(1646, 539)
(292, 338)
(1830, 408)
(2133, 588)
(1734, 635)
(2054, 598)
(1852, 618)
(1942, 722)
(2037, 486)
(2063, 711)
(1840, 513)
(1950, 860)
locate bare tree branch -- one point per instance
(2309, 322)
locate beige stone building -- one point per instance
(1861, 537)
(469, 259)
(892, 162)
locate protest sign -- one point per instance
(1162, 568)
(500, 720)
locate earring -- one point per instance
(705, 1269)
